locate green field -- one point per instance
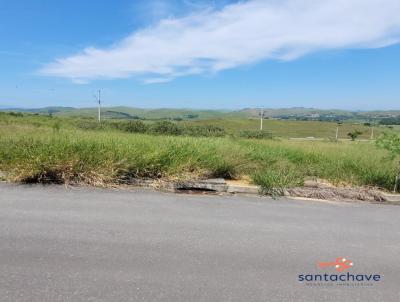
(293, 129)
(45, 149)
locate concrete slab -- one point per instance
(243, 189)
(217, 181)
(391, 197)
(201, 185)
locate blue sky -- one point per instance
(201, 54)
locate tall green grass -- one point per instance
(56, 151)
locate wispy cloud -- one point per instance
(211, 40)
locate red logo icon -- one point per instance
(341, 264)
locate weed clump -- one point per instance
(275, 182)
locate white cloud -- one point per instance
(210, 40)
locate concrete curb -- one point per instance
(3, 175)
(217, 185)
(393, 198)
(243, 189)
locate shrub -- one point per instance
(354, 134)
(166, 128)
(255, 134)
(131, 126)
(274, 182)
(207, 131)
(391, 142)
(90, 125)
(16, 114)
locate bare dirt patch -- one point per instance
(322, 189)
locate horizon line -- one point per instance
(198, 109)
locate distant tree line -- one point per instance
(169, 128)
(390, 121)
(159, 127)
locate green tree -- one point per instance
(391, 142)
(354, 134)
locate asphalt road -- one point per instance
(59, 244)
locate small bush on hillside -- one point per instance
(166, 128)
(131, 126)
(255, 134)
(207, 130)
(90, 125)
(16, 114)
(170, 128)
(354, 134)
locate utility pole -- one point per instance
(372, 132)
(99, 99)
(261, 119)
(337, 130)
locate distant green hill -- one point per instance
(133, 113)
(121, 112)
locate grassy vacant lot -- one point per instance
(43, 149)
(291, 128)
